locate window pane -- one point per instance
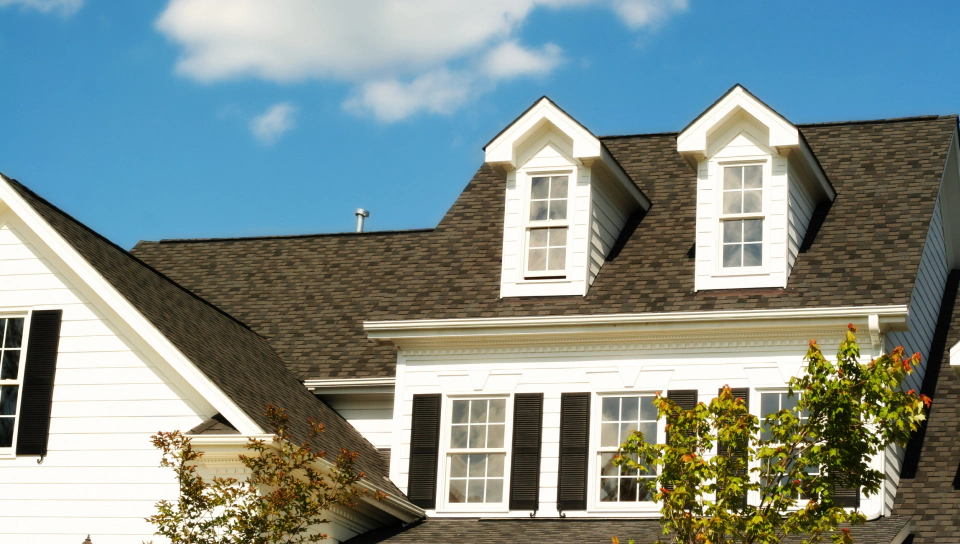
(558, 209)
(558, 237)
(477, 436)
(538, 210)
(649, 430)
(628, 489)
(731, 256)
(6, 432)
(495, 436)
(769, 404)
(458, 436)
(14, 333)
(475, 491)
(538, 237)
(732, 177)
(539, 187)
(537, 260)
(647, 409)
(630, 409)
(557, 259)
(478, 411)
(753, 176)
(460, 410)
(495, 490)
(478, 466)
(753, 230)
(8, 400)
(608, 434)
(558, 187)
(495, 465)
(732, 202)
(752, 254)
(732, 232)
(11, 364)
(458, 466)
(607, 468)
(497, 410)
(788, 402)
(626, 429)
(611, 409)
(751, 201)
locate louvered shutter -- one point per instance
(424, 451)
(848, 497)
(38, 375)
(574, 444)
(525, 460)
(686, 399)
(736, 450)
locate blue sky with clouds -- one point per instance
(203, 118)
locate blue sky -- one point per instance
(208, 118)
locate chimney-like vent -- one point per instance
(361, 215)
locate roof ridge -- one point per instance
(283, 236)
(128, 254)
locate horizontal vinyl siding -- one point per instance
(605, 225)
(371, 414)
(799, 211)
(101, 474)
(924, 310)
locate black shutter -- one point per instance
(848, 497)
(525, 460)
(574, 444)
(686, 399)
(424, 448)
(736, 450)
(36, 395)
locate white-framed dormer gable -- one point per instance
(758, 184)
(567, 199)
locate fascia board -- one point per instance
(502, 149)
(889, 318)
(693, 140)
(955, 359)
(153, 338)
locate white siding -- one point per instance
(799, 211)
(101, 475)
(606, 223)
(371, 414)
(924, 311)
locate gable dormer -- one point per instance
(758, 184)
(567, 199)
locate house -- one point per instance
(486, 369)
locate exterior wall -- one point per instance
(739, 140)
(800, 208)
(101, 475)
(659, 365)
(606, 222)
(371, 414)
(922, 321)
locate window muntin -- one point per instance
(11, 377)
(773, 402)
(477, 451)
(547, 226)
(741, 216)
(619, 417)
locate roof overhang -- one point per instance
(955, 359)
(783, 135)
(503, 151)
(351, 385)
(874, 320)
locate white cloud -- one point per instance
(273, 123)
(402, 56)
(65, 8)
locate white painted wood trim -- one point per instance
(352, 385)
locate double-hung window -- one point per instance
(771, 403)
(741, 219)
(547, 235)
(619, 417)
(477, 451)
(11, 377)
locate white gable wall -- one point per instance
(101, 475)
(608, 216)
(800, 208)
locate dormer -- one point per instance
(758, 184)
(567, 199)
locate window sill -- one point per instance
(494, 509)
(742, 271)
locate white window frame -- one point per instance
(443, 490)
(754, 496)
(11, 452)
(529, 225)
(766, 173)
(593, 478)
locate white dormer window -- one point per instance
(741, 218)
(547, 227)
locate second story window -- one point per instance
(477, 451)
(547, 227)
(619, 417)
(11, 377)
(741, 220)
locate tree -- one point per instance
(283, 499)
(790, 465)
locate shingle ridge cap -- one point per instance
(284, 236)
(128, 254)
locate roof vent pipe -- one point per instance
(361, 215)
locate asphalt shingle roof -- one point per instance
(237, 360)
(308, 295)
